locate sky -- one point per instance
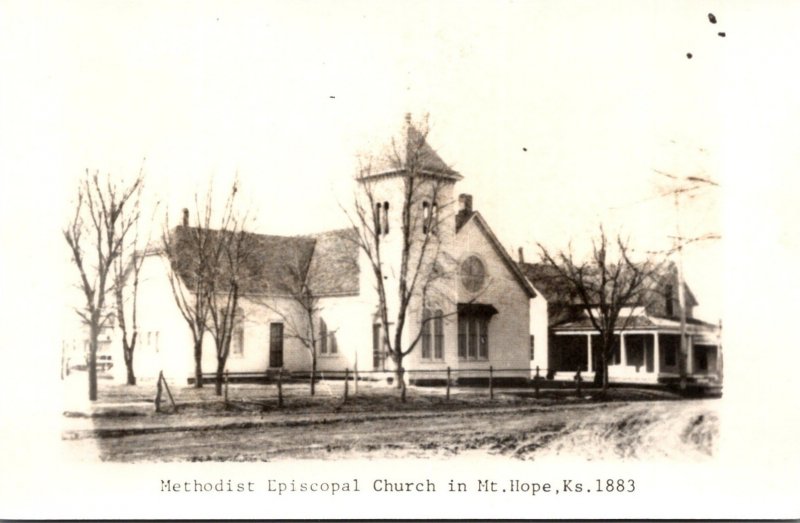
(558, 115)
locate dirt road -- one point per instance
(637, 430)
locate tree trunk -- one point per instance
(198, 363)
(401, 382)
(93, 365)
(313, 373)
(605, 372)
(127, 351)
(220, 376)
(131, 377)
(597, 364)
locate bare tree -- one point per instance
(608, 287)
(208, 264)
(188, 250)
(105, 213)
(303, 321)
(127, 268)
(413, 267)
(228, 274)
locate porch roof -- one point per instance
(641, 322)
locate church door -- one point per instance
(276, 345)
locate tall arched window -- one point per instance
(378, 215)
(385, 218)
(432, 334)
(426, 217)
(426, 333)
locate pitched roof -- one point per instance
(556, 289)
(546, 279)
(334, 265)
(498, 247)
(411, 151)
(278, 263)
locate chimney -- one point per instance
(408, 118)
(521, 256)
(185, 217)
(465, 203)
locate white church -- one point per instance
(486, 316)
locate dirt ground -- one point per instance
(631, 424)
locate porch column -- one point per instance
(689, 354)
(622, 355)
(656, 355)
(589, 352)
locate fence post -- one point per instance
(578, 380)
(280, 388)
(158, 392)
(448, 383)
(536, 382)
(491, 382)
(346, 383)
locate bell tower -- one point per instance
(409, 198)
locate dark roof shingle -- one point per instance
(278, 263)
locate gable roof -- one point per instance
(277, 263)
(557, 290)
(498, 247)
(411, 151)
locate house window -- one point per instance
(473, 338)
(155, 341)
(378, 213)
(323, 337)
(333, 345)
(426, 217)
(532, 346)
(434, 218)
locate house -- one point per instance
(482, 315)
(647, 347)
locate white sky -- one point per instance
(599, 94)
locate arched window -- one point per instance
(237, 338)
(378, 214)
(432, 334)
(426, 334)
(323, 337)
(385, 218)
(426, 217)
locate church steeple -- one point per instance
(411, 154)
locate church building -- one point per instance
(478, 317)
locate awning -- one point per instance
(477, 309)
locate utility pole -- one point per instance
(682, 360)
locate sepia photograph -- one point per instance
(407, 260)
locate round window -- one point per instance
(473, 274)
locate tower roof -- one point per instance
(410, 153)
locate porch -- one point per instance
(639, 356)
